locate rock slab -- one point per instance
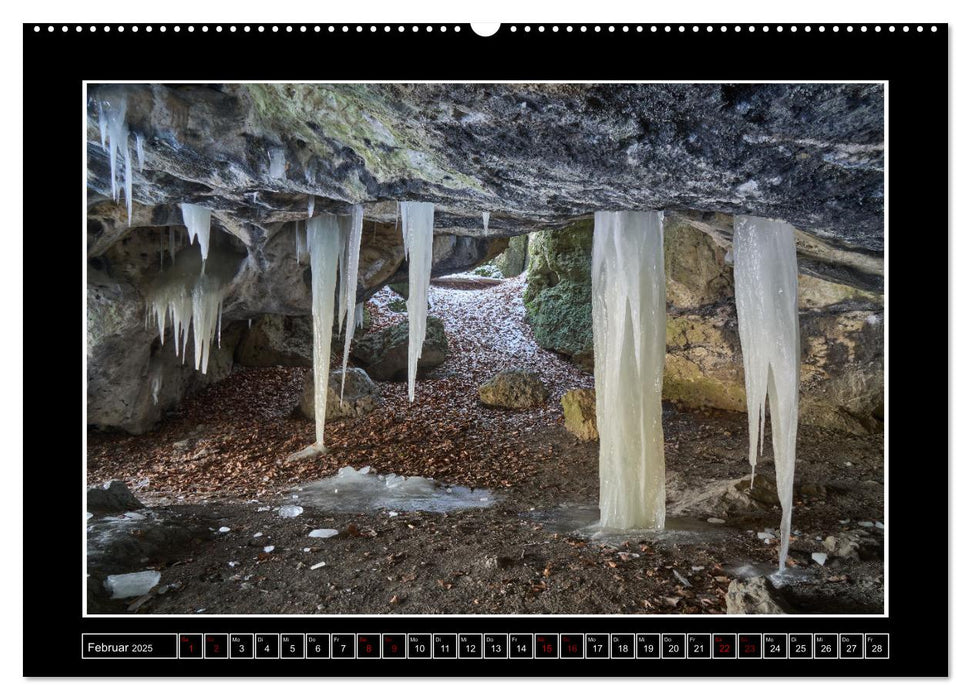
(514, 388)
(580, 413)
(755, 596)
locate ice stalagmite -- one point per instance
(629, 346)
(197, 220)
(417, 219)
(352, 227)
(768, 325)
(324, 244)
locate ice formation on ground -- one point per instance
(323, 533)
(629, 348)
(357, 490)
(766, 297)
(417, 226)
(485, 223)
(187, 298)
(351, 228)
(114, 139)
(278, 164)
(324, 244)
(132, 585)
(197, 221)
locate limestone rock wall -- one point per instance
(841, 325)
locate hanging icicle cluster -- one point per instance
(188, 301)
(186, 297)
(198, 220)
(417, 225)
(766, 295)
(629, 348)
(114, 139)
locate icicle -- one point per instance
(358, 318)
(249, 323)
(172, 244)
(103, 126)
(310, 206)
(349, 264)
(417, 225)
(140, 151)
(485, 223)
(161, 251)
(629, 347)
(301, 240)
(114, 135)
(197, 221)
(278, 164)
(397, 211)
(324, 244)
(766, 297)
(156, 386)
(219, 325)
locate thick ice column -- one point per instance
(417, 219)
(352, 227)
(629, 347)
(197, 220)
(324, 244)
(768, 324)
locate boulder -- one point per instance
(384, 353)
(755, 596)
(112, 497)
(512, 262)
(558, 294)
(274, 340)
(580, 413)
(515, 388)
(361, 395)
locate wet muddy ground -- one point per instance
(213, 477)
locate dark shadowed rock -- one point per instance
(514, 388)
(274, 340)
(112, 497)
(384, 353)
(361, 395)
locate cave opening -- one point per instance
(524, 411)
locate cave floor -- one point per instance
(218, 462)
